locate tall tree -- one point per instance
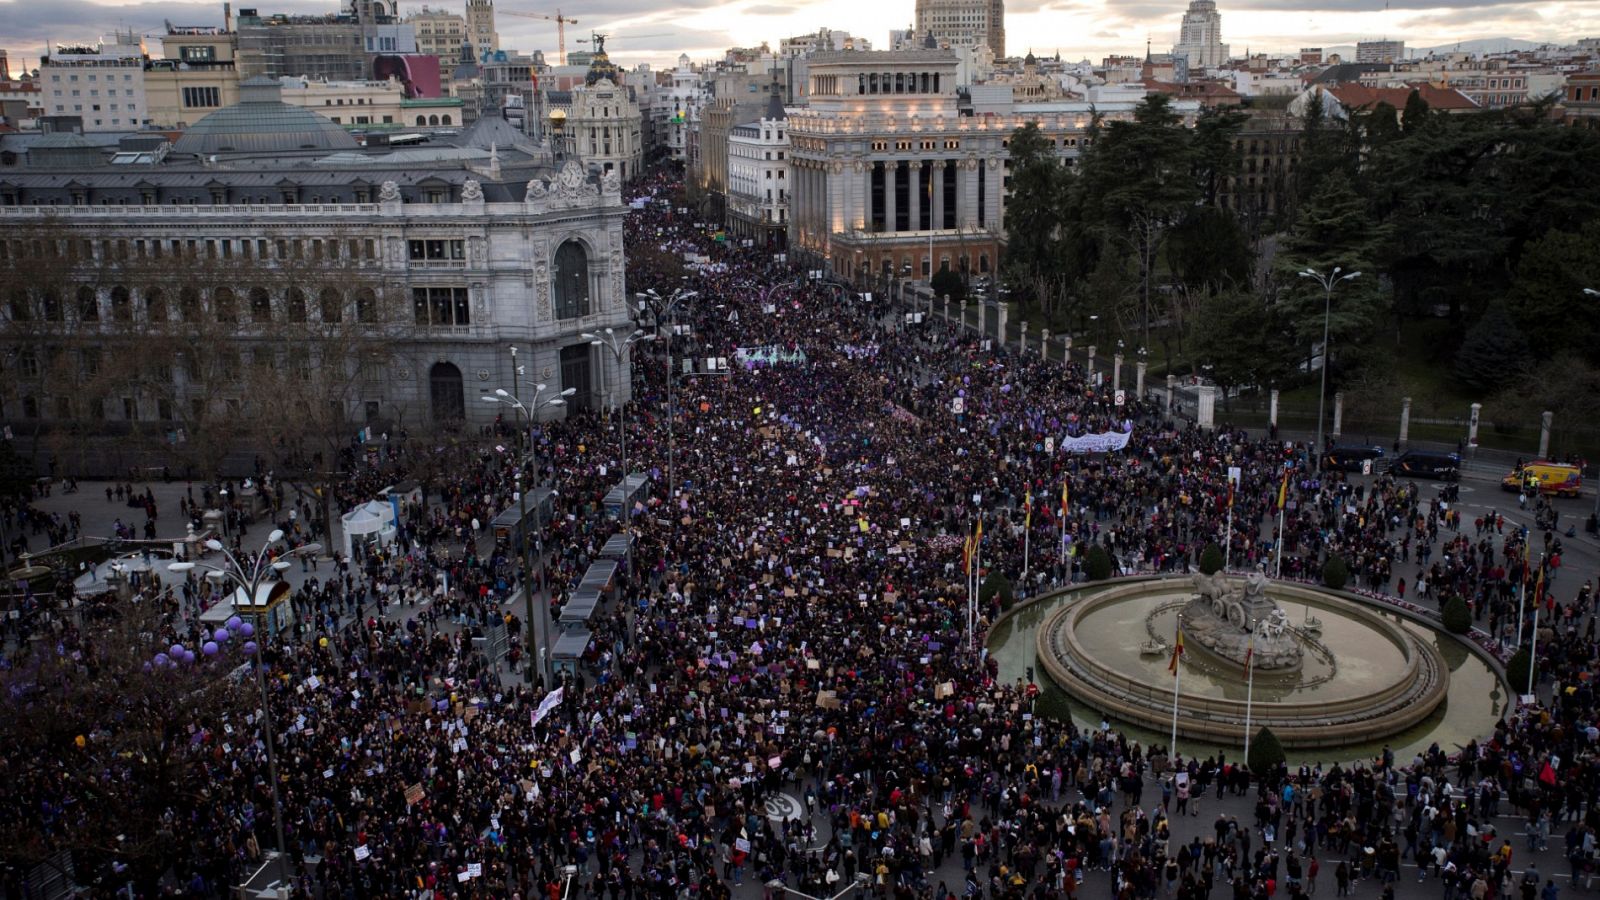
(1138, 181)
(1037, 216)
(1333, 229)
(1546, 300)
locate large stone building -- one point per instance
(1200, 36)
(963, 23)
(102, 83)
(1580, 100)
(481, 32)
(758, 176)
(338, 46)
(888, 176)
(477, 240)
(440, 33)
(602, 123)
(197, 77)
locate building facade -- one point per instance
(478, 245)
(481, 32)
(198, 76)
(1200, 36)
(603, 124)
(101, 83)
(758, 177)
(1380, 51)
(963, 23)
(439, 33)
(1580, 100)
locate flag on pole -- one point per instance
(966, 554)
(1177, 653)
(1283, 491)
(1538, 587)
(1230, 493)
(1027, 503)
(978, 541)
(1064, 506)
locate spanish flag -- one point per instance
(1177, 653)
(966, 554)
(1283, 491)
(1027, 517)
(1064, 506)
(1538, 588)
(978, 541)
(1230, 493)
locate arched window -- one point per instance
(21, 310)
(260, 305)
(367, 306)
(223, 304)
(88, 304)
(50, 299)
(447, 392)
(295, 301)
(569, 281)
(433, 120)
(422, 120)
(331, 305)
(189, 304)
(444, 120)
(155, 305)
(121, 304)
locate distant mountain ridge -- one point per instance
(1481, 45)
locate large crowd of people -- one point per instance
(793, 622)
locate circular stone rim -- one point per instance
(1410, 698)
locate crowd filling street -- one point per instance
(783, 697)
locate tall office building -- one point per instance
(1200, 36)
(1380, 51)
(964, 23)
(480, 27)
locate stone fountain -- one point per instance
(1228, 617)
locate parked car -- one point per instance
(1426, 464)
(1351, 459)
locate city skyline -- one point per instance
(1078, 29)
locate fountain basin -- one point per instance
(1368, 680)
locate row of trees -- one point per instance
(188, 357)
(1485, 223)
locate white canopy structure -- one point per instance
(370, 524)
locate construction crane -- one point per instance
(561, 27)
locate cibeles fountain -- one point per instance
(1236, 622)
(1361, 673)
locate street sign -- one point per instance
(1121, 398)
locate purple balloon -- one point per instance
(188, 656)
(221, 636)
(247, 630)
(162, 659)
(149, 667)
(176, 650)
(209, 648)
(234, 623)
(250, 648)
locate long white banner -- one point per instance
(1106, 442)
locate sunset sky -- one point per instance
(657, 32)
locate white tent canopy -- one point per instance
(370, 523)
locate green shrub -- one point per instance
(1097, 563)
(1335, 574)
(951, 284)
(1457, 618)
(1211, 560)
(1266, 753)
(1517, 670)
(996, 584)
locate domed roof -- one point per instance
(262, 123)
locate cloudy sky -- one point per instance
(657, 31)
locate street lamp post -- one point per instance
(530, 411)
(619, 349)
(250, 575)
(1328, 282)
(667, 308)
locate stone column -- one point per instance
(1206, 408)
(1116, 371)
(1044, 343)
(1472, 425)
(1000, 324)
(1405, 420)
(1272, 410)
(1066, 349)
(1338, 414)
(890, 170)
(914, 198)
(1172, 388)
(946, 309)
(1138, 387)
(1022, 342)
(1091, 360)
(964, 312)
(1544, 433)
